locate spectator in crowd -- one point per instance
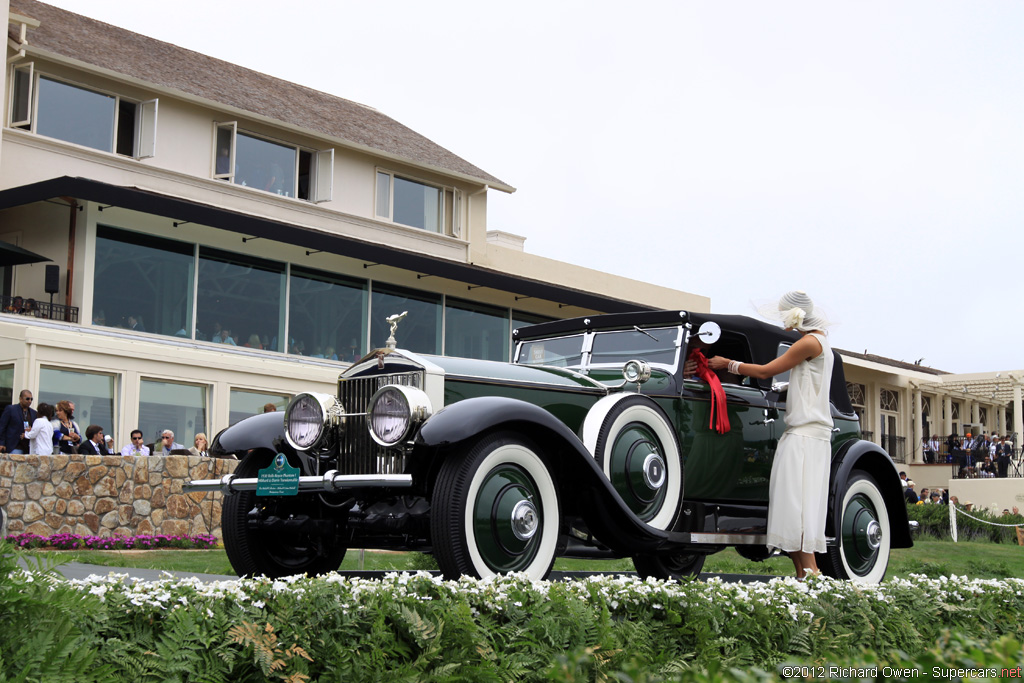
(926, 451)
(201, 447)
(903, 480)
(954, 500)
(968, 506)
(40, 435)
(953, 450)
(66, 433)
(136, 447)
(945, 497)
(924, 495)
(254, 342)
(987, 468)
(936, 498)
(17, 419)
(224, 337)
(94, 443)
(135, 323)
(935, 446)
(910, 494)
(1003, 459)
(168, 442)
(269, 408)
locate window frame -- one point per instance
(321, 163)
(449, 210)
(145, 124)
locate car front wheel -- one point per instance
(495, 510)
(255, 547)
(862, 524)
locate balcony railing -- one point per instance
(895, 446)
(38, 309)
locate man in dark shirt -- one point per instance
(94, 443)
(14, 422)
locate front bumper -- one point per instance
(330, 482)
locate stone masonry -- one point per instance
(94, 495)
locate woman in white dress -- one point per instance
(41, 433)
(798, 489)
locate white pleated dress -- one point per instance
(798, 489)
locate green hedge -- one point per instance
(934, 520)
(420, 628)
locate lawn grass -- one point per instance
(932, 558)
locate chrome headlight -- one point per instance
(394, 410)
(636, 371)
(310, 419)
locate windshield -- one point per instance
(563, 352)
(653, 346)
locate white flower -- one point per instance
(793, 318)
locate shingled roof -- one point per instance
(115, 49)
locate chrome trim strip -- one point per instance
(595, 389)
(729, 539)
(330, 481)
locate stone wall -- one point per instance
(96, 495)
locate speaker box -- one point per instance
(52, 279)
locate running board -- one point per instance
(331, 481)
(735, 539)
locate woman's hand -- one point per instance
(718, 363)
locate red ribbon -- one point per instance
(719, 415)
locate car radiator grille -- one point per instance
(358, 452)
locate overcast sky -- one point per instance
(870, 153)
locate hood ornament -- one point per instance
(393, 320)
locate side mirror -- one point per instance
(709, 332)
(780, 387)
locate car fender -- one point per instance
(606, 512)
(263, 431)
(595, 419)
(866, 456)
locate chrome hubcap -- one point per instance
(874, 535)
(525, 520)
(654, 471)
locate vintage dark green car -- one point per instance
(592, 443)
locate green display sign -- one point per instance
(279, 479)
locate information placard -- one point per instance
(279, 479)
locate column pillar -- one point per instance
(1018, 424)
(1003, 429)
(947, 409)
(918, 428)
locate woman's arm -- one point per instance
(805, 348)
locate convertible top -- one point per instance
(762, 337)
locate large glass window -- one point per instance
(248, 403)
(265, 165)
(419, 331)
(82, 116)
(170, 405)
(241, 300)
(91, 392)
(327, 315)
(280, 168)
(475, 331)
(6, 385)
(143, 282)
(417, 204)
(74, 114)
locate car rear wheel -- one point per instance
(495, 510)
(277, 551)
(677, 566)
(636, 448)
(862, 524)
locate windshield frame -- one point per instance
(587, 348)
